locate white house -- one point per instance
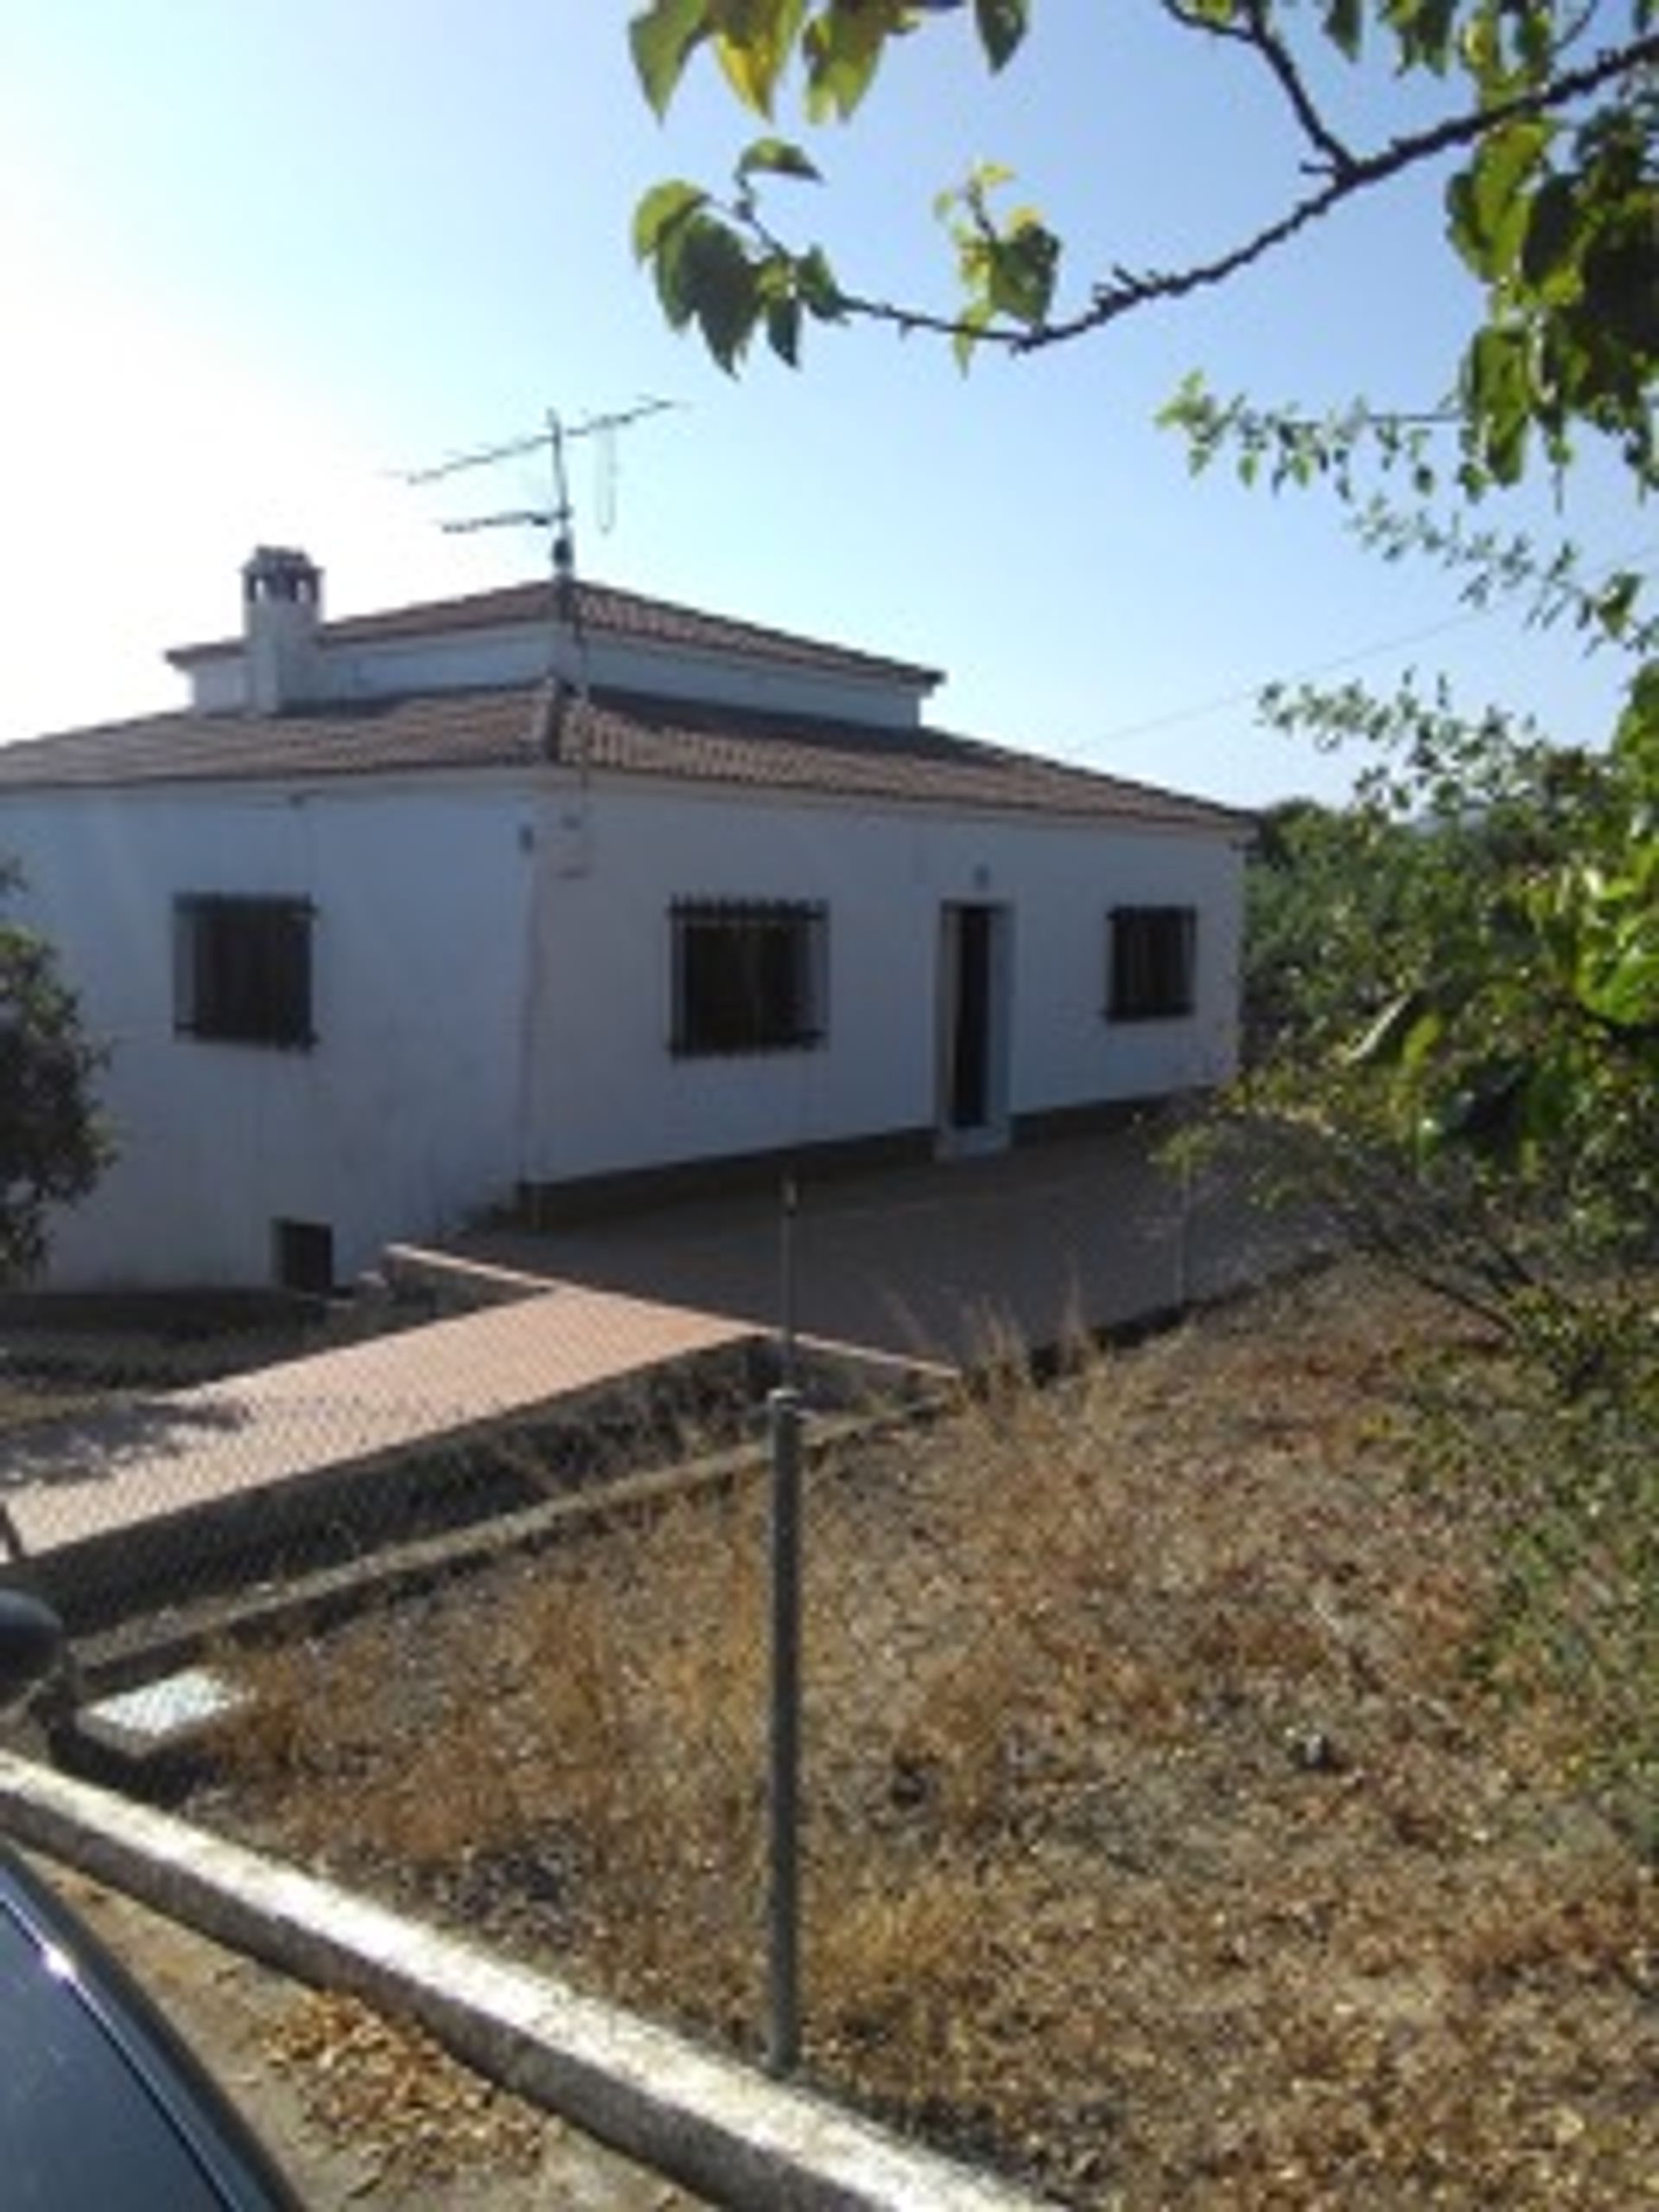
(550, 889)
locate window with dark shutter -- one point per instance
(243, 969)
(1151, 963)
(749, 975)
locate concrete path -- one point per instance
(68, 1483)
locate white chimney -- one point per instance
(282, 610)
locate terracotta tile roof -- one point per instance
(604, 608)
(668, 739)
(627, 737)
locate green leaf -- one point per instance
(1551, 231)
(1626, 994)
(775, 157)
(1344, 23)
(783, 329)
(1616, 600)
(754, 40)
(984, 178)
(669, 268)
(843, 51)
(975, 320)
(662, 208)
(663, 38)
(1505, 162)
(1463, 222)
(1419, 1040)
(1022, 270)
(1002, 25)
(1497, 395)
(815, 287)
(719, 287)
(1425, 30)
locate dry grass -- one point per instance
(1160, 1846)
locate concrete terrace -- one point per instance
(937, 1263)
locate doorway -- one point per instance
(974, 991)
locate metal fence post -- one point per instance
(788, 1207)
(783, 1890)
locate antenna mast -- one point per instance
(558, 518)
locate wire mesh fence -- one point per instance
(1133, 1795)
(134, 1472)
(841, 1800)
(540, 1695)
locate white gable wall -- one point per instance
(406, 1109)
(492, 996)
(883, 873)
(345, 671)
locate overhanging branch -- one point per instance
(1126, 291)
(1255, 31)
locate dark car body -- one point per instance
(101, 2104)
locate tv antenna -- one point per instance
(553, 439)
(558, 515)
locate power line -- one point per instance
(1640, 558)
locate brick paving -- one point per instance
(176, 1453)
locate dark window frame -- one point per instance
(747, 976)
(243, 969)
(1152, 962)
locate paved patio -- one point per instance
(942, 1263)
(940, 1260)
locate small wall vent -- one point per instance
(302, 1256)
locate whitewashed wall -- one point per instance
(342, 669)
(493, 993)
(404, 1114)
(884, 874)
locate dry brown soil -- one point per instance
(356, 2108)
(1162, 1847)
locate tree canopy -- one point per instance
(53, 1145)
(1453, 981)
(1457, 975)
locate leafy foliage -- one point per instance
(1454, 991)
(1555, 210)
(1453, 982)
(52, 1145)
(1563, 231)
(1460, 972)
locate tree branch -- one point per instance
(1256, 32)
(1127, 290)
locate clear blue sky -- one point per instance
(260, 258)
